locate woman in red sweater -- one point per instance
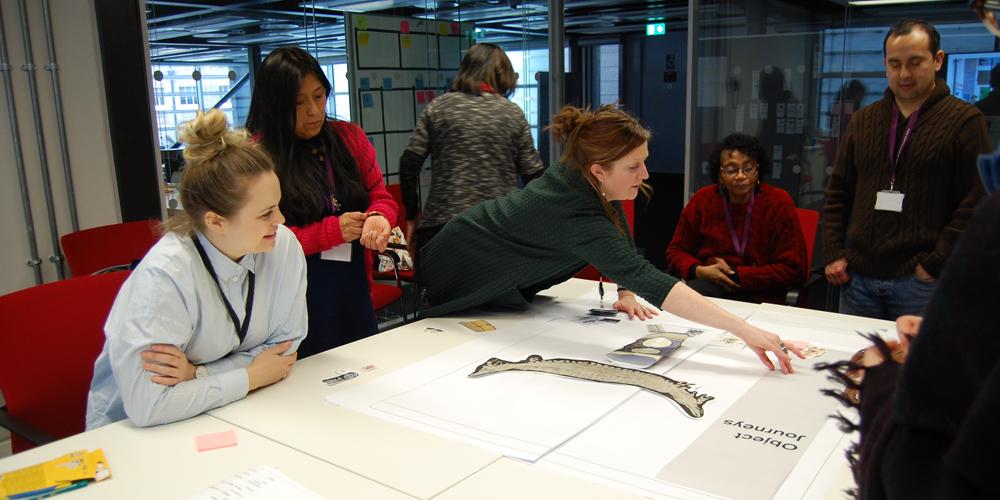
(739, 238)
(333, 195)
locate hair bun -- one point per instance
(569, 120)
(207, 135)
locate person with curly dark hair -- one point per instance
(739, 238)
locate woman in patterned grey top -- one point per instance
(478, 140)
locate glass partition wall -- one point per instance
(792, 74)
(204, 57)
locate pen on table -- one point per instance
(600, 288)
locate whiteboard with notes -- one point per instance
(397, 66)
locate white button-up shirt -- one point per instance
(171, 298)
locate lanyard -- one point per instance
(894, 155)
(740, 246)
(241, 330)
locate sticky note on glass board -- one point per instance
(405, 40)
(362, 22)
(367, 100)
(363, 38)
(404, 26)
(443, 29)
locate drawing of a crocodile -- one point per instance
(689, 401)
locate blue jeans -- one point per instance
(885, 298)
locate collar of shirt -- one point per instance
(225, 268)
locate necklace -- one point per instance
(332, 202)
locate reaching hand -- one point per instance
(761, 342)
(169, 364)
(627, 304)
(351, 224)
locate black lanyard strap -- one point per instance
(241, 330)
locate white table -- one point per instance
(341, 453)
(162, 462)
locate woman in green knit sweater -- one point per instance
(502, 252)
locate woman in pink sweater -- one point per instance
(333, 195)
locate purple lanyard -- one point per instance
(894, 155)
(333, 186)
(740, 246)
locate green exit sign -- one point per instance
(655, 29)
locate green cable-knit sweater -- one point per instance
(503, 251)
(936, 173)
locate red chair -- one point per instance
(809, 222)
(105, 247)
(50, 336)
(590, 272)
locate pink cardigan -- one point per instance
(325, 234)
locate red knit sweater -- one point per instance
(775, 257)
(325, 234)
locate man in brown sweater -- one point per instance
(904, 184)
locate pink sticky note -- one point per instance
(215, 440)
(420, 97)
(454, 28)
(404, 26)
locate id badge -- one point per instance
(341, 252)
(890, 201)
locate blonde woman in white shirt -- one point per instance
(217, 307)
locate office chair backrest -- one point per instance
(97, 248)
(50, 336)
(809, 221)
(397, 195)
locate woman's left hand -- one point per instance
(168, 363)
(627, 304)
(375, 233)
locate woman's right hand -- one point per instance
(761, 341)
(351, 224)
(271, 365)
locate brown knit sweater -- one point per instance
(936, 172)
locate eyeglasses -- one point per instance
(987, 12)
(748, 170)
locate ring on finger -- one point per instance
(782, 346)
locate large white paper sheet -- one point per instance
(522, 415)
(635, 443)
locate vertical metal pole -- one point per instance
(33, 261)
(53, 69)
(692, 98)
(29, 69)
(557, 79)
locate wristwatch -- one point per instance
(200, 371)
